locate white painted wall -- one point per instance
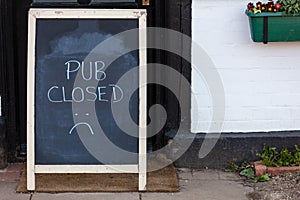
(261, 82)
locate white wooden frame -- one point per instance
(141, 168)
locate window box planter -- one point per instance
(274, 27)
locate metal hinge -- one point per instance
(146, 2)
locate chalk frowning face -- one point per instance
(82, 124)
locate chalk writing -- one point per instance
(73, 66)
(58, 94)
(88, 71)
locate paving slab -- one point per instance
(10, 176)
(16, 167)
(229, 176)
(204, 189)
(185, 174)
(206, 174)
(86, 196)
(7, 192)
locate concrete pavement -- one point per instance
(194, 185)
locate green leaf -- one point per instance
(263, 178)
(249, 172)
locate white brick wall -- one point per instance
(261, 82)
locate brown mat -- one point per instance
(164, 180)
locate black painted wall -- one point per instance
(175, 15)
(234, 147)
(8, 132)
(2, 122)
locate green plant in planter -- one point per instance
(274, 22)
(290, 6)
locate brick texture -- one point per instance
(261, 82)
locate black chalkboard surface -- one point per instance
(62, 46)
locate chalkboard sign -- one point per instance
(60, 56)
(75, 100)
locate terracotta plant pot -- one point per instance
(261, 169)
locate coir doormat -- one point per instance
(164, 180)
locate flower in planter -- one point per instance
(277, 6)
(258, 5)
(250, 7)
(270, 6)
(263, 7)
(270, 3)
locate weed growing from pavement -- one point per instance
(272, 158)
(246, 169)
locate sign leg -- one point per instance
(30, 178)
(142, 181)
(142, 172)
